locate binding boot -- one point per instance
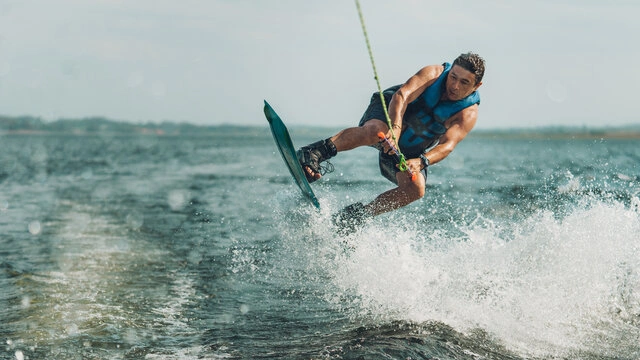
(312, 155)
(351, 218)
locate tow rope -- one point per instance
(402, 162)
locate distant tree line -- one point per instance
(91, 125)
(628, 131)
(97, 124)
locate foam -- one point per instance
(553, 287)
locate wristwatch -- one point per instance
(425, 161)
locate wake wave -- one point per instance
(554, 287)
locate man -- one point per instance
(430, 114)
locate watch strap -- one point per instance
(425, 160)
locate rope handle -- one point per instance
(402, 163)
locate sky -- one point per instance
(210, 62)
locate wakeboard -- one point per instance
(288, 152)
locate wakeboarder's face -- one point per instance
(460, 83)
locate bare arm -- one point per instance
(459, 126)
(410, 91)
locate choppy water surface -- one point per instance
(145, 247)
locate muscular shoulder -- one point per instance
(425, 76)
(430, 72)
(417, 83)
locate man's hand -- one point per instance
(388, 145)
(414, 165)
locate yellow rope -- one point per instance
(403, 163)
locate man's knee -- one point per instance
(417, 191)
(414, 190)
(373, 127)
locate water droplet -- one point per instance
(556, 91)
(244, 309)
(72, 329)
(177, 199)
(194, 256)
(131, 337)
(87, 174)
(34, 227)
(134, 220)
(19, 355)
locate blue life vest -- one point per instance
(426, 115)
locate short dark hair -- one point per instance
(472, 62)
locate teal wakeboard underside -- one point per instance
(288, 152)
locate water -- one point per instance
(178, 247)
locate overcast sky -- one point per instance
(555, 62)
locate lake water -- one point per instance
(201, 247)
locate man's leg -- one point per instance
(364, 135)
(312, 155)
(351, 218)
(407, 192)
